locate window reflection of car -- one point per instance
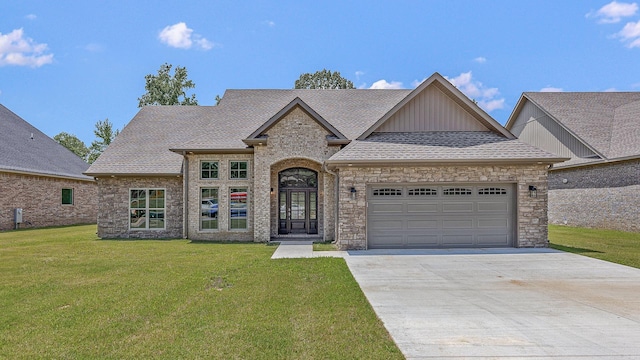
(209, 208)
(238, 209)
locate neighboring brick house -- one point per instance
(42, 178)
(599, 186)
(421, 168)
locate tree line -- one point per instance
(167, 89)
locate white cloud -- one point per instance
(611, 90)
(359, 73)
(630, 34)
(487, 98)
(16, 49)
(551, 89)
(480, 60)
(614, 11)
(383, 84)
(94, 47)
(269, 23)
(31, 17)
(180, 36)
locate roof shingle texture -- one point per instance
(439, 146)
(607, 121)
(40, 155)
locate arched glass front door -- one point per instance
(298, 201)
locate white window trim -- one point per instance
(146, 228)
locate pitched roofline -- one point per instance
(400, 162)
(212, 151)
(57, 176)
(597, 162)
(520, 105)
(297, 102)
(128, 175)
(456, 95)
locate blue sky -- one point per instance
(64, 65)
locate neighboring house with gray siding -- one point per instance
(422, 168)
(599, 186)
(42, 178)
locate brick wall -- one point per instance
(531, 216)
(599, 196)
(113, 207)
(40, 197)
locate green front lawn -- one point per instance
(66, 294)
(610, 245)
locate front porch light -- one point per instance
(533, 191)
(353, 192)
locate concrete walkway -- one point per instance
(497, 303)
(302, 249)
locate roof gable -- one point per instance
(436, 105)
(26, 149)
(259, 135)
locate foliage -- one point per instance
(65, 294)
(218, 98)
(74, 144)
(104, 136)
(610, 245)
(166, 89)
(324, 79)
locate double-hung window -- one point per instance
(208, 208)
(238, 208)
(147, 209)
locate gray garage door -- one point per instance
(440, 216)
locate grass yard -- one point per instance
(65, 294)
(610, 245)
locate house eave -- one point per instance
(214, 151)
(596, 162)
(129, 175)
(56, 176)
(439, 162)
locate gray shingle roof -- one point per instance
(440, 147)
(40, 155)
(609, 122)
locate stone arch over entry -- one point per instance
(282, 165)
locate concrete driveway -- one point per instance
(506, 303)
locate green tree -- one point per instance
(104, 136)
(324, 79)
(72, 143)
(166, 89)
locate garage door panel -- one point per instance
(388, 241)
(457, 207)
(493, 207)
(457, 224)
(500, 222)
(422, 208)
(458, 239)
(422, 224)
(493, 240)
(421, 240)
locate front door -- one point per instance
(298, 202)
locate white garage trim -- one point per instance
(441, 215)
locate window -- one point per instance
(238, 170)
(387, 192)
(146, 209)
(237, 208)
(208, 170)
(456, 191)
(492, 191)
(67, 196)
(422, 192)
(208, 209)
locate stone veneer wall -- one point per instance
(298, 140)
(598, 196)
(40, 198)
(223, 184)
(531, 216)
(113, 207)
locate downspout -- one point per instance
(185, 197)
(337, 190)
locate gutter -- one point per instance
(401, 162)
(32, 173)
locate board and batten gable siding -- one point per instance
(431, 110)
(533, 126)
